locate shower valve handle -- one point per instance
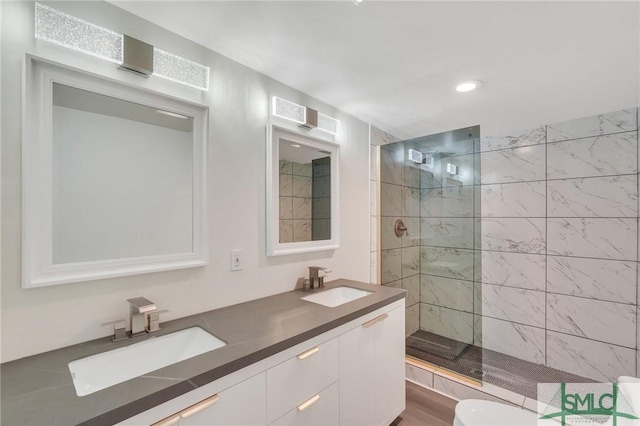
(400, 228)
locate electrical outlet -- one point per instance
(236, 260)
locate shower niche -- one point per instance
(430, 185)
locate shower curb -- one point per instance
(459, 388)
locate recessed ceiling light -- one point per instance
(357, 1)
(295, 145)
(467, 86)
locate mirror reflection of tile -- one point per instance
(305, 200)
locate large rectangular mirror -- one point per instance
(302, 192)
(114, 178)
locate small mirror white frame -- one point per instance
(275, 135)
(38, 153)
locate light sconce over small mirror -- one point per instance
(302, 193)
(306, 117)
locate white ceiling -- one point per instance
(394, 63)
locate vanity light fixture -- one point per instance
(288, 110)
(468, 86)
(304, 116)
(65, 30)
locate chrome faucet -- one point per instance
(316, 276)
(139, 307)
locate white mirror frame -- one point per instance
(274, 246)
(38, 269)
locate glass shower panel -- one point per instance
(431, 184)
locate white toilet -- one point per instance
(476, 412)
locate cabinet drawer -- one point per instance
(242, 404)
(301, 377)
(321, 409)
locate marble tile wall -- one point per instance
(450, 231)
(538, 258)
(559, 243)
(399, 190)
(321, 199)
(295, 202)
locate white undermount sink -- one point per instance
(336, 296)
(106, 369)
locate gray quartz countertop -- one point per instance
(38, 390)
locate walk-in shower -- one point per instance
(429, 184)
(469, 305)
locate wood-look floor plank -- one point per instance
(426, 408)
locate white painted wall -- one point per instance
(39, 320)
(101, 154)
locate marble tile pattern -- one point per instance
(447, 262)
(390, 265)
(412, 237)
(514, 140)
(412, 285)
(521, 235)
(518, 340)
(514, 165)
(589, 358)
(514, 304)
(410, 202)
(388, 238)
(301, 230)
(598, 156)
(559, 236)
(446, 322)
(599, 279)
(295, 202)
(390, 200)
(462, 391)
(419, 375)
(380, 137)
(301, 186)
(593, 237)
(536, 256)
(447, 292)
(526, 199)
(603, 124)
(447, 202)
(391, 166)
(607, 322)
(610, 196)
(412, 319)
(410, 261)
(514, 269)
(447, 232)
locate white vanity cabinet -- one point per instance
(350, 375)
(295, 384)
(242, 404)
(371, 363)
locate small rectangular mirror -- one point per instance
(114, 178)
(302, 193)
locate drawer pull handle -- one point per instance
(169, 421)
(202, 405)
(382, 317)
(309, 402)
(308, 353)
(375, 320)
